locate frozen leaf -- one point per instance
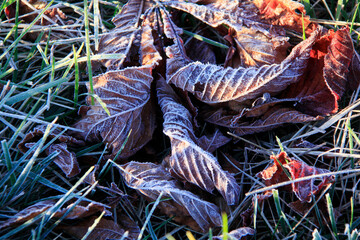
(81, 210)
(189, 161)
(38, 132)
(213, 142)
(149, 55)
(66, 160)
(121, 39)
(203, 53)
(238, 234)
(105, 229)
(126, 94)
(51, 17)
(151, 179)
(325, 78)
(214, 84)
(259, 43)
(285, 13)
(272, 118)
(284, 165)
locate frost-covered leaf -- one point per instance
(105, 229)
(29, 10)
(149, 54)
(325, 78)
(126, 94)
(189, 161)
(214, 84)
(258, 26)
(121, 39)
(276, 173)
(203, 53)
(212, 142)
(285, 13)
(151, 179)
(238, 234)
(80, 210)
(66, 160)
(271, 119)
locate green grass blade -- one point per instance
(7, 159)
(88, 51)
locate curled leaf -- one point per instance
(151, 179)
(188, 160)
(283, 165)
(66, 160)
(325, 78)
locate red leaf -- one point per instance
(325, 78)
(296, 169)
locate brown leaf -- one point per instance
(288, 14)
(81, 210)
(149, 55)
(272, 118)
(50, 17)
(303, 190)
(213, 142)
(200, 51)
(126, 94)
(151, 179)
(127, 33)
(238, 234)
(214, 84)
(105, 229)
(325, 78)
(188, 160)
(259, 43)
(65, 160)
(38, 132)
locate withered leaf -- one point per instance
(259, 42)
(105, 229)
(65, 160)
(188, 160)
(126, 94)
(214, 84)
(121, 39)
(27, 13)
(272, 118)
(213, 142)
(288, 14)
(325, 78)
(81, 210)
(151, 179)
(238, 234)
(297, 169)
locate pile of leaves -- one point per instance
(276, 68)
